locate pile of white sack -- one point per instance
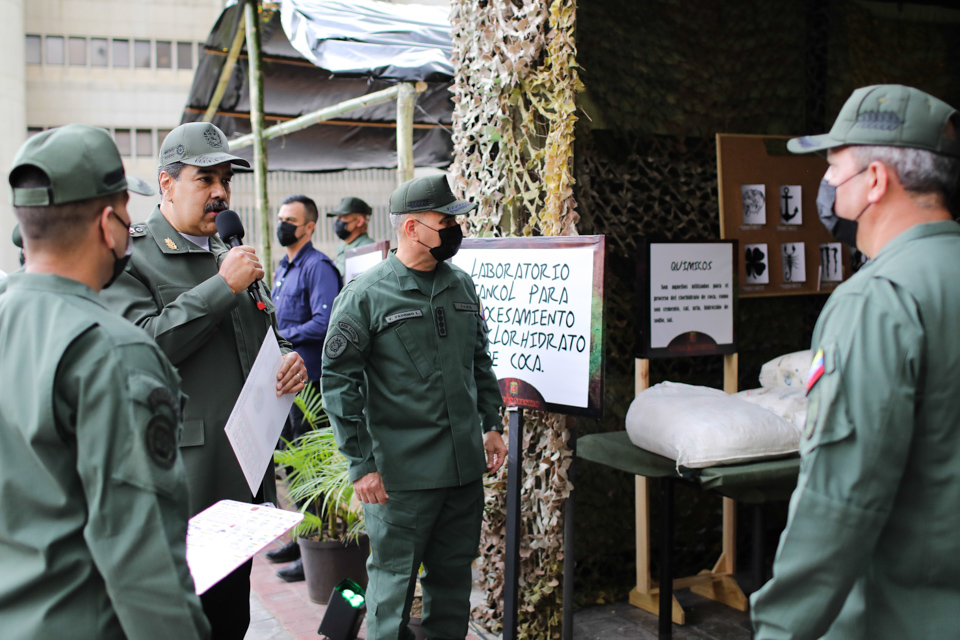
(703, 427)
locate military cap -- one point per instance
(889, 115)
(428, 193)
(351, 205)
(80, 161)
(199, 144)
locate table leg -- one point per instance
(759, 553)
(666, 559)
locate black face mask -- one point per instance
(286, 233)
(840, 228)
(120, 263)
(340, 228)
(450, 239)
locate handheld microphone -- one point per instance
(231, 231)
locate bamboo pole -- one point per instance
(406, 99)
(322, 115)
(227, 70)
(250, 10)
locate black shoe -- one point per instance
(287, 553)
(293, 572)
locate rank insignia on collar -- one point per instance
(170, 244)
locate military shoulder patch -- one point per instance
(162, 396)
(161, 442)
(138, 231)
(817, 369)
(336, 345)
(349, 331)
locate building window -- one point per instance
(34, 50)
(54, 49)
(162, 135)
(122, 138)
(184, 55)
(199, 52)
(141, 54)
(78, 52)
(121, 53)
(99, 56)
(164, 55)
(144, 142)
(32, 131)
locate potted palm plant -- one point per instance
(332, 543)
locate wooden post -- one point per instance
(227, 70)
(406, 99)
(725, 589)
(251, 14)
(646, 595)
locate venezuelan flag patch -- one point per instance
(816, 370)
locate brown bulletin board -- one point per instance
(743, 163)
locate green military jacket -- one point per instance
(871, 549)
(172, 289)
(407, 378)
(93, 495)
(341, 260)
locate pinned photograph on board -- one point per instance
(794, 265)
(754, 199)
(791, 211)
(758, 264)
(831, 262)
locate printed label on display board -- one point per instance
(691, 290)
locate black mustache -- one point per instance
(216, 205)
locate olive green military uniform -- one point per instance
(93, 492)
(872, 538)
(408, 385)
(172, 289)
(341, 260)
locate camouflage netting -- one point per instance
(515, 110)
(661, 78)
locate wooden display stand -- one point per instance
(717, 584)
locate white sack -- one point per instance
(703, 427)
(786, 403)
(788, 370)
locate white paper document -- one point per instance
(257, 418)
(227, 534)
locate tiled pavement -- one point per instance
(283, 611)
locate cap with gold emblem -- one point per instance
(199, 144)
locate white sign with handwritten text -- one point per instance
(538, 305)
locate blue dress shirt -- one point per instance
(303, 291)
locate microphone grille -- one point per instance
(229, 225)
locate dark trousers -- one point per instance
(227, 605)
(439, 528)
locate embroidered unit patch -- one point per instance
(336, 345)
(349, 331)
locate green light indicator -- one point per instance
(355, 599)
